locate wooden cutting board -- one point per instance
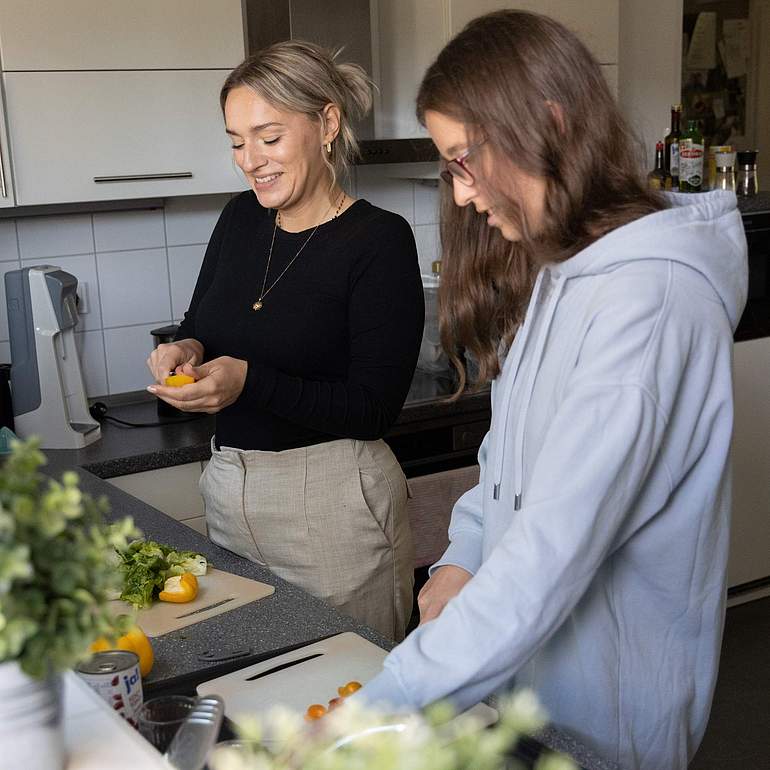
(307, 675)
(218, 592)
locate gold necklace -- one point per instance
(260, 300)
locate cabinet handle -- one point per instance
(3, 191)
(143, 177)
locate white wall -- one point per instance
(649, 66)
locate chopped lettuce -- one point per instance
(146, 565)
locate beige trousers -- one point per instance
(330, 518)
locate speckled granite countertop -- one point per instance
(289, 618)
(755, 203)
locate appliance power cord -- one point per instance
(98, 410)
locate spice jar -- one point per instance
(724, 176)
(747, 182)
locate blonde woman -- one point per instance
(302, 335)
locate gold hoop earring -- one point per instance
(329, 148)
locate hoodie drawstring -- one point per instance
(529, 387)
(519, 343)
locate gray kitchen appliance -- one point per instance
(49, 398)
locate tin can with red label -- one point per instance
(114, 674)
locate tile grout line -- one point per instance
(101, 309)
(168, 266)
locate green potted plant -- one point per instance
(356, 738)
(57, 574)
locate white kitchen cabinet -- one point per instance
(86, 136)
(171, 490)
(750, 529)
(37, 35)
(596, 22)
(6, 183)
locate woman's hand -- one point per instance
(445, 583)
(167, 357)
(219, 383)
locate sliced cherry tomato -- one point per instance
(348, 689)
(316, 711)
(334, 702)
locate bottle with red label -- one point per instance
(691, 158)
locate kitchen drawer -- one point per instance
(40, 35)
(69, 129)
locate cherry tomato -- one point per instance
(348, 689)
(316, 711)
(334, 702)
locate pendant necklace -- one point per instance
(265, 291)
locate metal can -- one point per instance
(114, 674)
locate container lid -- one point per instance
(108, 662)
(165, 331)
(725, 159)
(747, 157)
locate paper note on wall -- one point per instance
(735, 46)
(702, 53)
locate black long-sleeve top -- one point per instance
(332, 352)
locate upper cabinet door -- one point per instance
(120, 34)
(596, 22)
(87, 136)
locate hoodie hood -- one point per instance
(702, 231)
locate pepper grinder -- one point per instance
(747, 182)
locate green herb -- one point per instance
(57, 565)
(146, 565)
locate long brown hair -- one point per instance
(529, 87)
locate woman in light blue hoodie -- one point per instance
(589, 563)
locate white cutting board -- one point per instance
(218, 592)
(335, 662)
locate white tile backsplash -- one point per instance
(134, 287)
(4, 268)
(90, 347)
(426, 202)
(184, 264)
(141, 229)
(127, 349)
(428, 245)
(55, 236)
(192, 220)
(374, 184)
(83, 267)
(9, 248)
(141, 267)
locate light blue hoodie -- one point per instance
(598, 533)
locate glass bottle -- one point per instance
(691, 158)
(672, 145)
(658, 179)
(747, 182)
(724, 178)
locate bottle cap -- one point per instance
(435, 267)
(725, 159)
(747, 157)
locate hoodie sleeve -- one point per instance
(465, 527)
(580, 496)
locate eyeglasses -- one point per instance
(458, 167)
